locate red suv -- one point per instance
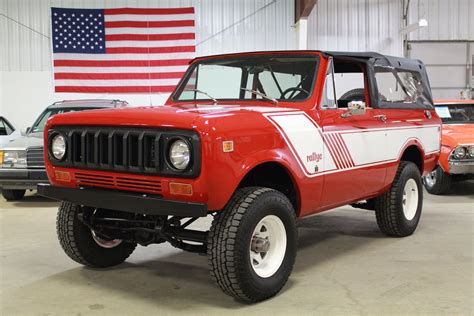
(254, 140)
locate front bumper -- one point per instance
(461, 167)
(22, 179)
(123, 201)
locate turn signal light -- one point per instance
(62, 176)
(181, 188)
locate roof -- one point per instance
(364, 55)
(86, 103)
(441, 102)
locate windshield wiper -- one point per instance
(263, 95)
(205, 93)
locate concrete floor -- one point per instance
(344, 266)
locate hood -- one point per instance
(458, 134)
(175, 116)
(24, 142)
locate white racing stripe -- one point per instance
(353, 149)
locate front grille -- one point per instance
(130, 150)
(35, 157)
(129, 183)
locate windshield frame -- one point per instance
(199, 61)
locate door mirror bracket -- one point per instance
(354, 108)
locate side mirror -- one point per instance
(25, 131)
(354, 108)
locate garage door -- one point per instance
(449, 66)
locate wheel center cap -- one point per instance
(260, 244)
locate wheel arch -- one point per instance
(414, 152)
(274, 175)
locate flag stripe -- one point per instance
(146, 56)
(146, 24)
(149, 37)
(180, 69)
(118, 83)
(118, 76)
(115, 89)
(149, 11)
(156, 17)
(113, 44)
(149, 31)
(150, 50)
(121, 63)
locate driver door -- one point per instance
(354, 141)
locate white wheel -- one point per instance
(268, 246)
(410, 199)
(105, 243)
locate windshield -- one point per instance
(38, 125)
(456, 113)
(259, 77)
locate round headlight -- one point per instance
(471, 151)
(460, 153)
(180, 154)
(58, 146)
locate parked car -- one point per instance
(456, 162)
(7, 132)
(21, 161)
(254, 140)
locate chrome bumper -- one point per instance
(461, 167)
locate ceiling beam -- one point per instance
(303, 8)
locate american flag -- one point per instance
(122, 50)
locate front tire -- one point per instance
(437, 181)
(13, 195)
(82, 245)
(398, 210)
(252, 244)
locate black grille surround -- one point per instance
(125, 149)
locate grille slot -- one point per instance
(115, 182)
(35, 157)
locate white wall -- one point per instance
(356, 25)
(26, 85)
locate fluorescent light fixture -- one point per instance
(414, 26)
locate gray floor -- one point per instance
(344, 266)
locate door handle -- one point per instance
(381, 117)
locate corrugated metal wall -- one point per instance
(447, 19)
(222, 26)
(356, 25)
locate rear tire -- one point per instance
(252, 244)
(398, 210)
(437, 182)
(82, 246)
(13, 195)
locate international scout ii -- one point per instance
(254, 140)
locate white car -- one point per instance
(7, 132)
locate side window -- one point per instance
(3, 129)
(329, 94)
(350, 86)
(399, 87)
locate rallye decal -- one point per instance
(318, 152)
